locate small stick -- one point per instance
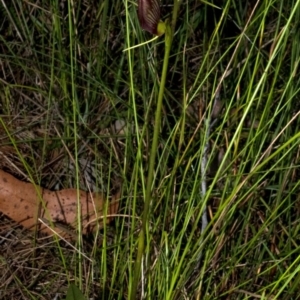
(211, 121)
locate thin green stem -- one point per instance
(141, 240)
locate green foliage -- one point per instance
(74, 293)
(65, 77)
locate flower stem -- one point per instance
(145, 218)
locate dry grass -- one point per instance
(34, 269)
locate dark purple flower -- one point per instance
(149, 15)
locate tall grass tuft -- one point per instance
(78, 111)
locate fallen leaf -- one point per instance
(25, 203)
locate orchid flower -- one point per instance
(149, 16)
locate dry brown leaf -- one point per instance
(25, 203)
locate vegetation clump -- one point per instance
(197, 127)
